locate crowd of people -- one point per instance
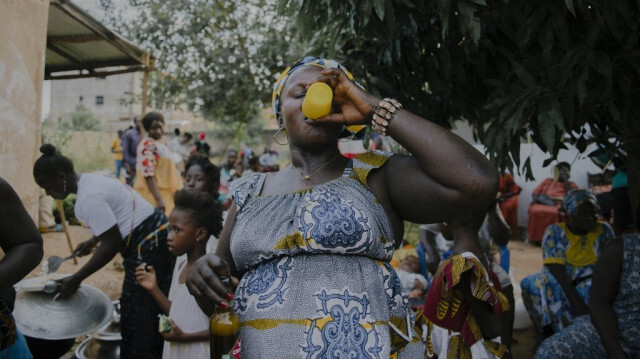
(305, 254)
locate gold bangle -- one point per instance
(383, 114)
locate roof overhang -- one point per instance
(80, 46)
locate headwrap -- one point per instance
(576, 197)
(311, 61)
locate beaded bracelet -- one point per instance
(383, 114)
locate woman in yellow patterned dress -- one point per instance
(158, 178)
(560, 291)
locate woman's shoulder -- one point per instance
(146, 141)
(606, 229)
(89, 182)
(246, 182)
(555, 232)
(364, 163)
(245, 187)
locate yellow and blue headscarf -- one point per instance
(310, 61)
(576, 197)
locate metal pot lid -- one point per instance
(39, 316)
(111, 331)
(95, 349)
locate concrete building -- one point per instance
(113, 100)
(109, 99)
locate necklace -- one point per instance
(308, 177)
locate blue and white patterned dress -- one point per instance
(581, 339)
(542, 294)
(317, 282)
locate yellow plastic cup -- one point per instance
(317, 102)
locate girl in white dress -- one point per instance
(191, 223)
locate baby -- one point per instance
(413, 283)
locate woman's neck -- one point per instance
(72, 181)
(308, 160)
(576, 229)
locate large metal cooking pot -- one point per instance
(38, 315)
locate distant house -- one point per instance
(114, 100)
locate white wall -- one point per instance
(23, 34)
(581, 166)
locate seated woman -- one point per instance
(560, 292)
(464, 306)
(546, 200)
(611, 328)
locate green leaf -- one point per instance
(523, 74)
(445, 12)
(581, 84)
(547, 130)
(378, 6)
(526, 169)
(581, 144)
(365, 10)
(471, 24)
(479, 2)
(569, 4)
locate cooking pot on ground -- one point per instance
(40, 315)
(51, 325)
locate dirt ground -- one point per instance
(525, 260)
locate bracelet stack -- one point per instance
(383, 114)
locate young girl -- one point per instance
(202, 175)
(191, 222)
(464, 304)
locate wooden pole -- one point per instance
(145, 89)
(64, 225)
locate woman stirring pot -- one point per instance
(121, 221)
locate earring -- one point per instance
(275, 138)
(64, 189)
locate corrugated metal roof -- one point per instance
(79, 43)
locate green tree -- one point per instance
(218, 57)
(82, 119)
(556, 71)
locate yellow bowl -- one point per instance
(317, 102)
